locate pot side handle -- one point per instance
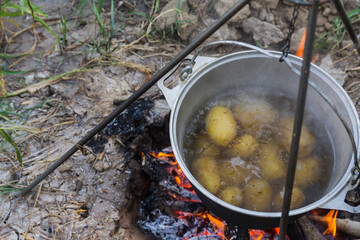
(338, 201)
(171, 94)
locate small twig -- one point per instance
(346, 57)
(343, 48)
(39, 85)
(8, 158)
(353, 69)
(24, 30)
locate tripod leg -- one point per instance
(342, 14)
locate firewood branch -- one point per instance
(343, 225)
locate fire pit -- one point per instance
(172, 210)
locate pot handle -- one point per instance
(187, 70)
(338, 202)
(171, 94)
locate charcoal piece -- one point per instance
(236, 233)
(160, 134)
(131, 121)
(97, 143)
(187, 206)
(140, 144)
(353, 197)
(295, 232)
(139, 183)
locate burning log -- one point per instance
(346, 226)
(309, 230)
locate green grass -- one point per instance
(332, 39)
(102, 42)
(153, 33)
(12, 124)
(11, 188)
(10, 10)
(63, 32)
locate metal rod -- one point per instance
(342, 14)
(299, 115)
(194, 44)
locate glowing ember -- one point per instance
(206, 224)
(203, 222)
(330, 218)
(256, 234)
(270, 234)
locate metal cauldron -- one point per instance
(262, 68)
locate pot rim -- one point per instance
(294, 60)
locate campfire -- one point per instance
(170, 208)
(187, 218)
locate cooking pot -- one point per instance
(261, 68)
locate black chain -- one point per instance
(286, 47)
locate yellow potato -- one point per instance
(220, 125)
(263, 133)
(258, 195)
(297, 199)
(254, 111)
(307, 171)
(232, 195)
(307, 140)
(231, 174)
(204, 147)
(272, 166)
(244, 146)
(206, 171)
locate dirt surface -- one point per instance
(85, 198)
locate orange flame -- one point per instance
(300, 49)
(330, 218)
(218, 226)
(161, 154)
(175, 171)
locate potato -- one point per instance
(205, 148)
(307, 171)
(258, 195)
(244, 146)
(206, 171)
(307, 140)
(272, 166)
(232, 195)
(297, 199)
(231, 174)
(254, 111)
(220, 125)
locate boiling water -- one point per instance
(267, 134)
